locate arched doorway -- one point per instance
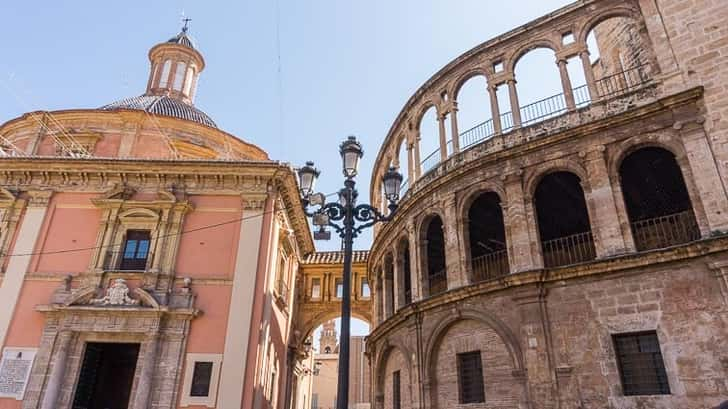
(657, 200)
(487, 238)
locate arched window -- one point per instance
(540, 91)
(429, 141)
(435, 250)
(406, 271)
(188, 81)
(618, 56)
(179, 76)
(657, 201)
(487, 236)
(474, 113)
(563, 220)
(388, 286)
(164, 78)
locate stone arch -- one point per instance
(424, 107)
(465, 77)
(423, 263)
(508, 352)
(309, 326)
(534, 176)
(665, 141)
(485, 318)
(467, 198)
(389, 347)
(617, 11)
(513, 59)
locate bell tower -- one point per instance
(175, 67)
(328, 342)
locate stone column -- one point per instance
(388, 290)
(415, 273)
(410, 166)
(520, 255)
(589, 75)
(605, 223)
(494, 109)
(58, 371)
(443, 136)
(515, 106)
(705, 177)
(379, 293)
(418, 161)
(456, 277)
(454, 128)
(566, 85)
(398, 284)
(537, 352)
(146, 374)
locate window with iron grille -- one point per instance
(470, 377)
(136, 250)
(201, 377)
(640, 364)
(396, 396)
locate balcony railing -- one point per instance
(437, 282)
(546, 108)
(490, 266)
(623, 81)
(573, 249)
(115, 261)
(665, 231)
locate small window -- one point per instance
(179, 76)
(201, 377)
(498, 66)
(396, 391)
(188, 81)
(136, 250)
(327, 350)
(164, 78)
(567, 38)
(316, 288)
(640, 364)
(339, 288)
(470, 377)
(365, 290)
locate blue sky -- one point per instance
(294, 77)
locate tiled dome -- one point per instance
(162, 105)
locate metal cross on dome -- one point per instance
(186, 27)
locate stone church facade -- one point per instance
(149, 257)
(570, 252)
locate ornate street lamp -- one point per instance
(342, 216)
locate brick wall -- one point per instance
(396, 362)
(620, 46)
(502, 390)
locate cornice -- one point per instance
(628, 264)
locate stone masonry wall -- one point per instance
(620, 46)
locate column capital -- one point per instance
(39, 198)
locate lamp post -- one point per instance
(343, 217)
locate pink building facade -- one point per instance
(148, 257)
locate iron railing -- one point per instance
(403, 188)
(115, 261)
(572, 249)
(478, 133)
(543, 109)
(437, 282)
(623, 81)
(490, 266)
(665, 231)
(546, 108)
(431, 161)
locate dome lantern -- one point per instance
(175, 67)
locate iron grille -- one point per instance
(396, 396)
(640, 364)
(470, 377)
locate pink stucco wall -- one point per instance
(207, 332)
(70, 223)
